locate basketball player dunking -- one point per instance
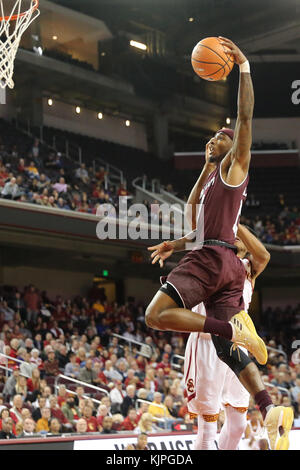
(210, 383)
(213, 274)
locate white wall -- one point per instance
(62, 116)
(276, 130)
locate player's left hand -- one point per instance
(239, 57)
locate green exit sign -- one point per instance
(104, 272)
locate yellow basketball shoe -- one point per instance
(244, 334)
(278, 422)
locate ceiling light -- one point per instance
(127, 123)
(228, 120)
(191, 19)
(138, 45)
(54, 38)
(100, 116)
(77, 110)
(50, 102)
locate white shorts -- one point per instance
(210, 383)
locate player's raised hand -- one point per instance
(161, 252)
(239, 57)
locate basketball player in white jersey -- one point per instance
(210, 383)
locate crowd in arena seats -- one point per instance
(138, 389)
(281, 229)
(46, 178)
(30, 172)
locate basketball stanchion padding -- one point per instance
(15, 17)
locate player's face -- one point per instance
(219, 145)
(242, 250)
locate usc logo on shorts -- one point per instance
(190, 385)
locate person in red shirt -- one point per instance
(5, 414)
(92, 425)
(131, 421)
(32, 301)
(57, 413)
(165, 364)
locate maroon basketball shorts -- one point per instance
(213, 275)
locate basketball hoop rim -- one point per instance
(15, 17)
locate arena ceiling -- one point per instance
(271, 27)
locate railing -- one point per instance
(285, 390)
(131, 341)
(8, 369)
(79, 382)
(174, 365)
(278, 351)
(162, 420)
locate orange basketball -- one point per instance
(210, 59)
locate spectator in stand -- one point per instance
(7, 427)
(10, 384)
(146, 424)
(62, 356)
(157, 409)
(110, 372)
(101, 413)
(16, 410)
(71, 411)
(26, 367)
(117, 396)
(87, 414)
(43, 424)
(131, 421)
(82, 174)
(33, 385)
(21, 387)
(165, 364)
(61, 186)
(62, 395)
(72, 369)
(296, 389)
(35, 359)
(28, 428)
(38, 405)
(129, 400)
(107, 425)
(51, 365)
(11, 190)
(32, 302)
(56, 412)
(55, 427)
(87, 373)
(7, 311)
(81, 426)
(32, 170)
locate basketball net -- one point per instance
(12, 27)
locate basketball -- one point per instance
(210, 60)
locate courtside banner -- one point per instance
(165, 442)
(162, 442)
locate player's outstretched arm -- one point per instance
(260, 256)
(243, 130)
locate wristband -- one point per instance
(245, 67)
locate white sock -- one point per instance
(233, 429)
(199, 438)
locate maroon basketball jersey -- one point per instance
(222, 205)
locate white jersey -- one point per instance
(210, 383)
